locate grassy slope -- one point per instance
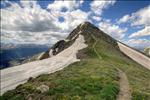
(90, 79)
(138, 76)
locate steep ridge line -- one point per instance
(124, 91)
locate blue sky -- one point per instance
(45, 22)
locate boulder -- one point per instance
(43, 88)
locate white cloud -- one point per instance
(124, 19)
(79, 14)
(29, 17)
(28, 23)
(141, 17)
(24, 37)
(97, 18)
(138, 19)
(98, 6)
(72, 16)
(69, 5)
(72, 19)
(140, 33)
(81, 2)
(139, 43)
(112, 29)
(77, 17)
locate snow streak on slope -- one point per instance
(135, 55)
(11, 77)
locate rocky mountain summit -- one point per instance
(86, 29)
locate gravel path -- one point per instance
(124, 93)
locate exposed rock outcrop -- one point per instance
(43, 88)
(147, 51)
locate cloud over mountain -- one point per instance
(98, 6)
(136, 19)
(112, 29)
(140, 33)
(28, 22)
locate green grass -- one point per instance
(89, 79)
(138, 76)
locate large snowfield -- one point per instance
(135, 55)
(12, 77)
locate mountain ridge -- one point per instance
(89, 31)
(86, 29)
(91, 66)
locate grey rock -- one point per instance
(43, 88)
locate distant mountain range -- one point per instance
(11, 55)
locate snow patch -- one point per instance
(82, 24)
(56, 49)
(80, 32)
(135, 55)
(12, 77)
(76, 35)
(51, 53)
(39, 57)
(66, 40)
